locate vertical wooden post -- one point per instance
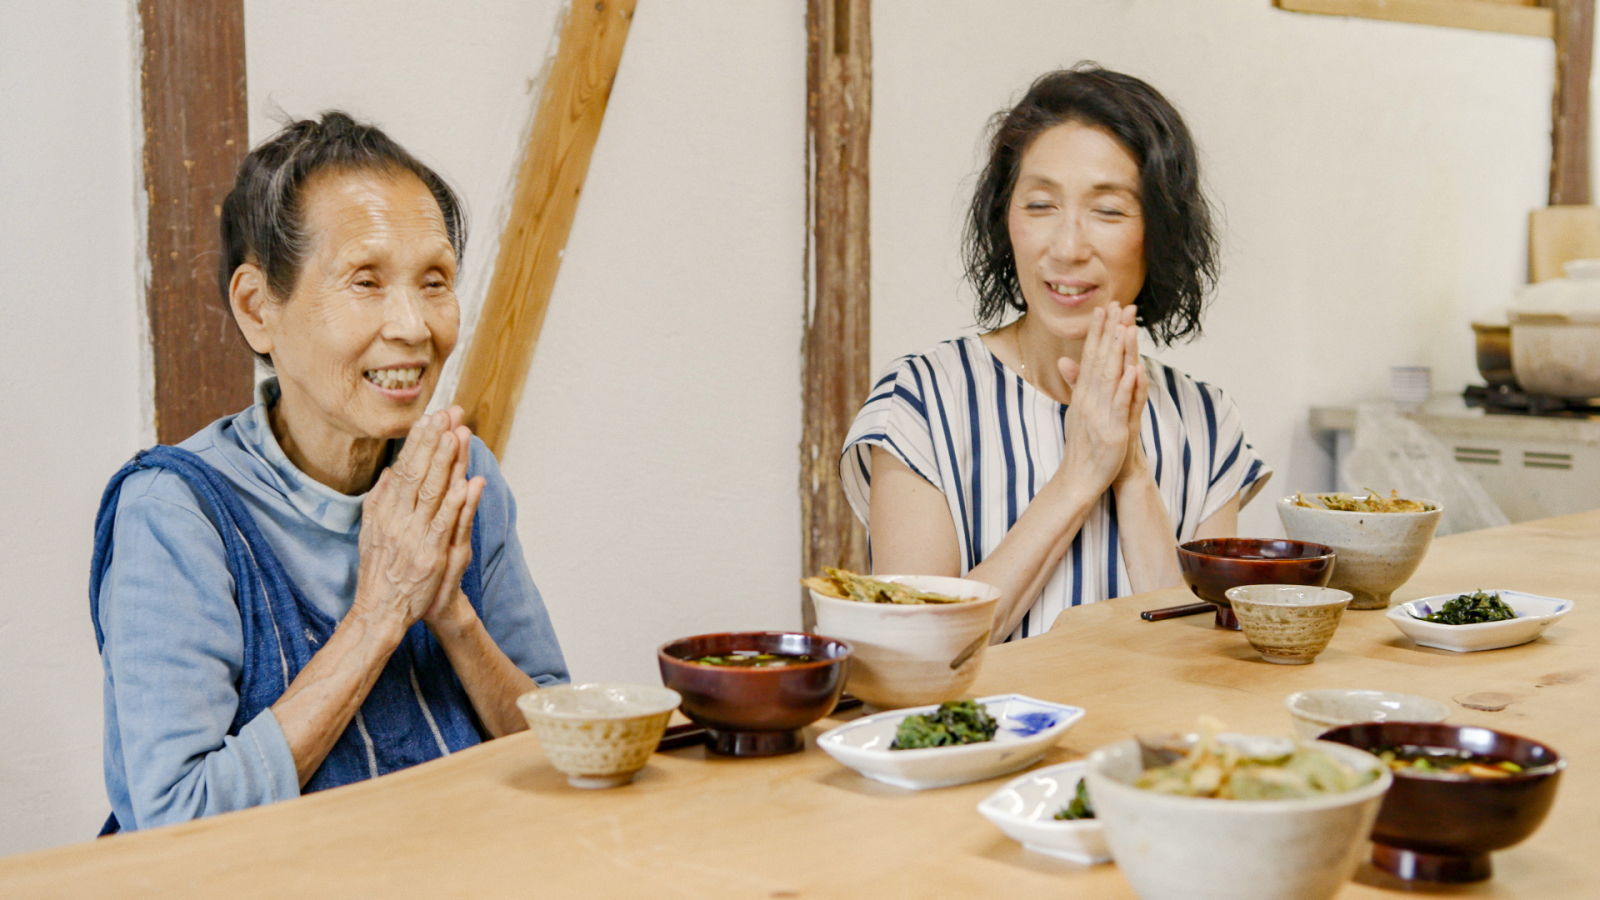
(837, 343)
(554, 165)
(1569, 135)
(195, 132)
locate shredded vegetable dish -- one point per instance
(844, 585)
(1372, 503)
(1221, 771)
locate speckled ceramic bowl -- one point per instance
(1288, 623)
(598, 735)
(1374, 552)
(1317, 712)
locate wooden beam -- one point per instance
(1569, 133)
(554, 165)
(195, 131)
(1478, 15)
(837, 345)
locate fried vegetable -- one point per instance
(1372, 503)
(1472, 609)
(1222, 771)
(956, 722)
(850, 586)
(1080, 807)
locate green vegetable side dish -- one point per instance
(953, 723)
(1080, 807)
(1472, 609)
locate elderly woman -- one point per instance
(1047, 457)
(327, 586)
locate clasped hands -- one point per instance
(1109, 387)
(416, 526)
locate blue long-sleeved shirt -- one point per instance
(173, 641)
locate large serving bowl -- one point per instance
(755, 711)
(1443, 828)
(598, 735)
(1377, 552)
(1192, 848)
(1210, 567)
(1317, 712)
(1288, 624)
(913, 654)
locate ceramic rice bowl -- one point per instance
(913, 654)
(1192, 848)
(1374, 553)
(598, 735)
(1288, 624)
(1317, 712)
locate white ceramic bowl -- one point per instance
(1374, 553)
(910, 654)
(1534, 615)
(1025, 810)
(1191, 848)
(1315, 712)
(1290, 624)
(598, 735)
(1028, 728)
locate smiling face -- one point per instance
(359, 344)
(1077, 229)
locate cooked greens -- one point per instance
(956, 722)
(1080, 807)
(845, 585)
(1222, 771)
(1472, 609)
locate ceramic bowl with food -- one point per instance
(1288, 624)
(1534, 615)
(910, 654)
(1210, 567)
(1195, 848)
(1026, 808)
(1436, 826)
(1376, 551)
(756, 709)
(1317, 712)
(598, 735)
(1027, 728)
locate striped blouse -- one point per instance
(989, 441)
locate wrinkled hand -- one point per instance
(1102, 416)
(416, 524)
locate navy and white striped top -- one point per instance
(989, 441)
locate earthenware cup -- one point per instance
(1375, 552)
(1288, 623)
(598, 735)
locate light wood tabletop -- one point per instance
(498, 821)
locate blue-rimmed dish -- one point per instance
(1025, 809)
(1534, 615)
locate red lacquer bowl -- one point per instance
(1212, 566)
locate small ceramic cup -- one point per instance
(1288, 623)
(599, 735)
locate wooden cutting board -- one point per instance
(1557, 234)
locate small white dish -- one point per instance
(1028, 728)
(1315, 712)
(1026, 807)
(1534, 615)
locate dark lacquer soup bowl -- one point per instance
(1438, 827)
(1212, 566)
(756, 710)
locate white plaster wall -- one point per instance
(1374, 180)
(70, 361)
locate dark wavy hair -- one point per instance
(262, 219)
(1179, 239)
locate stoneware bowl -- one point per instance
(1212, 566)
(1377, 552)
(598, 735)
(755, 711)
(1443, 827)
(1317, 712)
(913, 654)
(1193, 848)
(1288, 623)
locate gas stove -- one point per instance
(1504, 400)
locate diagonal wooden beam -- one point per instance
(192, 78)
(837, 344)
(554, 165)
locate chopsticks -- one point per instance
(690, 735)
(1174, 612)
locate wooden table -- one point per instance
(497, 821)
